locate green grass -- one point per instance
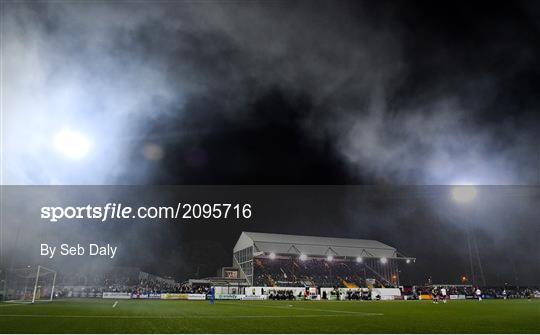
(157, 316)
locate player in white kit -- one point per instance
(478, 294)
(444, 297)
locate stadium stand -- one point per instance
(295, 261)
(269, 266)
(119, 279)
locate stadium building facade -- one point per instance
(294, 260)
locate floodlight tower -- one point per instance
(465, 195)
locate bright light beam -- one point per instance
(72, 144)
(464, 193)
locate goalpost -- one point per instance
(30, 284)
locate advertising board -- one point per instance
(254, 297)
(116, 295)
(224, 296)
(174, 296)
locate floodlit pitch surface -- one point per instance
(137, 316)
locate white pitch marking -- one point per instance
(115, 303)
(174, 316)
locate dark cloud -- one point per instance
(447, 91)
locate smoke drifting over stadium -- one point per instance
(371, 93)
(375, 91)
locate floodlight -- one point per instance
(384, 260)
(72, 144)
(272, 255)
(303, 257)
(408, 261)
(329, 258)
(359, 259)
(464, 193)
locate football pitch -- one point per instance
(158, 316)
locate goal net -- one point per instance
(30, 284)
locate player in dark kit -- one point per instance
(435, 295)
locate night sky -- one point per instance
(383, 93)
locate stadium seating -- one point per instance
(313, 272)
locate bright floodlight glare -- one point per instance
(463, 193)
(72, 144)
(303, 257)
(329, 258)
(272, 255)
(408, 261)
(359, 259)
(384, 260)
